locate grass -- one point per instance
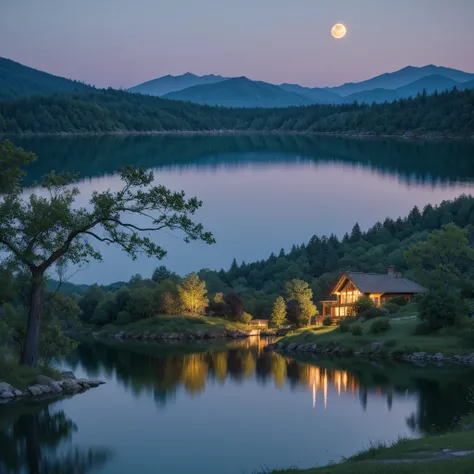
(400, 337)
(21, 376)
(403, 449)
(178, 324)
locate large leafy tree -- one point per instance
(193, 294)
(300, 292)
(47, 230)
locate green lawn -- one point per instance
(401, 337)
(177, 324)
(368, 461)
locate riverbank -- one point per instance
(410, 136)
(172, 328)
(452, 452)
(398, 343)
(47, 387)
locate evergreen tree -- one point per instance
(299, 291)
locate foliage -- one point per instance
(48, 230)
(235, 304)
(278, 316)
(169, 304)
(380, 325)
(245, 318)
(161, 273)
(345, 325)
(109, 110)
(300, 292)
(362, 305)
(327, 321)
(391, 307)
(193, 294)
(357, 329)
(399, 301)
(141, 303)
(371, 313)
(441, 307)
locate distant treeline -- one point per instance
(448, 113)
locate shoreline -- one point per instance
(406, 136)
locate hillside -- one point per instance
(451, 113)
(316, 95)
(18, 81)
(240, 92)
(403, 77)
(164, 85)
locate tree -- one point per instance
(278, 316)
(192, 294)
(161, 273)
(445, 257)
(245, 318)
(363, 304)
(235, 303)
(168, 303)
(45, 231)
(441, 307)
(299, 291)
(141, 304)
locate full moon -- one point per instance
(338, 31)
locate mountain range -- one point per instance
(17, 80)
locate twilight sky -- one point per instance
(121, 43)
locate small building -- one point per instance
(259, 323)
(380, 288)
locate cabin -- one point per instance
(380, 288)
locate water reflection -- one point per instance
(441, 394)
(417, 162)
(35, 439)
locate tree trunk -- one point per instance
(29, 355)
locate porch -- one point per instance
(335, 309)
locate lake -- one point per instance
(260, 193)
(223, 407)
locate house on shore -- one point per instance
(380, 288)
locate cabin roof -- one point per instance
(380, 283)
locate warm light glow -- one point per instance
(338, 31)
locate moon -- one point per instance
(338, 31)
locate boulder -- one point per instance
(44, 388)
(35, 390)
(6, 387)
(6, 394)
(67, 374)
(18, 393)
(70, 386)
(469, 427)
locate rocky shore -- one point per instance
(46, 387)
(375, 350)
(175, 336)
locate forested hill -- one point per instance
(450, 113)
(17, 80)
(322, 260)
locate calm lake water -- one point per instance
(223, 408)
(260, 193)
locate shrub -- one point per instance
(422, 329)
(392, 308)
(245, 318)
(372, 313)
(399, 301)
(327, 321)
(362, 305)
(380, 325)
(344, 326)
(124, 317)
(357, 329)
(390, 343)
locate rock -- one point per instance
(469, 427)
(67, 374)
(70, 386)
(43, 380)
(6, 394)
(44, 388)
(6, 387)
(35, 390)
(18, 393)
